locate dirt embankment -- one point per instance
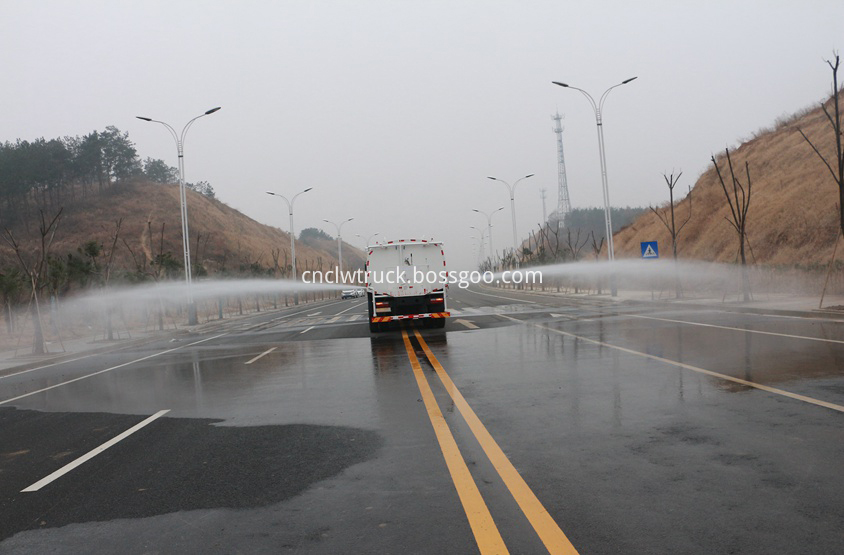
(793, 217)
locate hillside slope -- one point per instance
(223, 240)
(793, 214)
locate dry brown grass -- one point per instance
(222, 238)
(793, 216)
(226, 240)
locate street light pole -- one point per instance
(368, 239)
(489, 227)
(512, 190)
(339, 244)
(292, 234)
(180, 144)
(480, 247)
(598, 108)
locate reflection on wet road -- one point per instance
(531, 424)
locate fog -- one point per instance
(396, 112)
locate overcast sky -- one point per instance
(395, 112)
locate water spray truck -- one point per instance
(406, 280)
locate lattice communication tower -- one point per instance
(563, 202)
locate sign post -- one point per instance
(650, 251)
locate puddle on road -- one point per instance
(176, 464)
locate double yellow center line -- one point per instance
(483, 527)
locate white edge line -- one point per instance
(769, 389)
(98, 372)
(117, 349)
(500, 297)
(307, 330)
(350, 308)
(91, 454)
(761, 332)
(265, 353)
(28, 370)
(283, 316)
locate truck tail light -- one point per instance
(381, 304)
(437, 300)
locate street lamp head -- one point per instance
(476, 210)
(493, 178)
(270, 193)
(560, 84)
(143, 118)
(529, 175)
(308, 189)
(212, 110)
(628, 80)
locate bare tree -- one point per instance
(542, 244)
(834, 122)
(202, 240)
(597, 247)
(671, 226)
(107, 275)
(157, 268)
(275, 254)
(739, 203)
(574, 246)
(287, 269)
(663, 214)
(508, 259)
(837, 172)
(110, 256)
(555, 248)
(36, 270)
(139, 262)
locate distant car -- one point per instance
(360, 292)
(348, 294)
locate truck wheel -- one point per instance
(374, 327)
(438, 323)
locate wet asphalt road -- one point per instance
(576, 425)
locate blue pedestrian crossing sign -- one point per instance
(650, 249)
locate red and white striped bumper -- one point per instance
(377, 319)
